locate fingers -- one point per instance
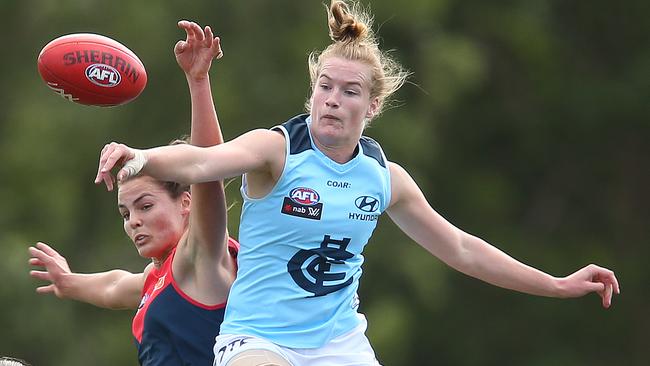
(104, 177)
(108, 181)
(110, 156)
(103, 170)
(611, 287)
(190, 29)
(108, 159)
(45, 289)
(133, 166)
(607, 296)
(42, 257)
(194, 34)
(193, 31)
(180, 47)
(197, 32)
(46, 249)
(41, 275)
(591, 286)
(36, 262)
(183, 24)
(608, 283)
(38, 254)
(213, 42)
(217, 46)
(208, 33)
(606, 276)
(614, 281)
(210, 40)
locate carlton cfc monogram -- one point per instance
(331, 251)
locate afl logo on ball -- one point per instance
(103, 75)
(304, 196)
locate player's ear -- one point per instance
(186, 202)
(373, 108)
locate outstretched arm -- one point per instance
(116, 289)
(475, 257)
(194, 55)
(259, 151)
(208, 214)
(202, 257)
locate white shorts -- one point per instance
(349, 349)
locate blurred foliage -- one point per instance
(525, 122)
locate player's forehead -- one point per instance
(136, 188)
(337, 69)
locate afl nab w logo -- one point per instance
(303, 202)
(316, 277)
(367, 203)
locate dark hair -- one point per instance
(174, 189)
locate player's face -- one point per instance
(153, 220)
(341, 101)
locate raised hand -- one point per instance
(55, 269)
(195, 54)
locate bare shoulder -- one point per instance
(268, 145)
(395, 169)
(270, 149)
(404, 190)
(398, 179)
(266, 139)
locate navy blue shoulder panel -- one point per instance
(299, 140)
(372, 149)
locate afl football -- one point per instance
(92, 69)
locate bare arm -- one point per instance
(116, 289)
(194, 55)
(208, 214)
(475, 257)
(260, 151)
(202, 266)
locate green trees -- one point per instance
(526, 123)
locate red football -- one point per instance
(92, 69)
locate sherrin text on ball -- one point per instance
(92, 69)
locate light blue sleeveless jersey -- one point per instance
(300, 257)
